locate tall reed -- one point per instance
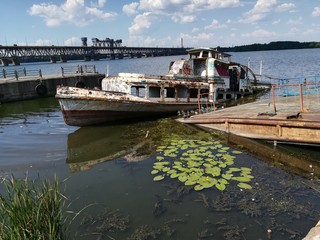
(31, 209)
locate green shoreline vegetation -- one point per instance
(278, 45)
(31, 209)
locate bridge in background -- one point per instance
(17, 54)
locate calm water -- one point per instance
(110, 167)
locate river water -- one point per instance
(107, 169)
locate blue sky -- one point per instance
(159, 23)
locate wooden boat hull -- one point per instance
(82, 107)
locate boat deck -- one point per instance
(288, 119)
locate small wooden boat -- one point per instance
(191, 84)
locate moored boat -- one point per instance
(190, 84)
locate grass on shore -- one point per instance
(31, 210)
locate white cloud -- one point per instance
(215, 25)
(73, 41)
(98, 4)
(197, 39)
(71, 12)
(285, 7)
(275, 22)
(178, 18)
(316, 12)
(259, 34)
(39, 42)
(141, 23)
(259, 11)
(202, 5)
(185, 6)
(148, 41)
(194, 30)
(131, 9)
(297, 21)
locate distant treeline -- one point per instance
(280, 45)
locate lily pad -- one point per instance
(190, 182)
(161, 163)
(244, 185)
(220, 186)
(158, 167)
(171, 171)
(242, 179)
(158, 178)
(154, 171)
(236, 152)
(160, 158)
(183, 177)
(198, 187)
(227, 176)
(174, 175)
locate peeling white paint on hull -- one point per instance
(81, 112)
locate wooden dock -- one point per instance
(293, 119)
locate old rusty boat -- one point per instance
(190, 84)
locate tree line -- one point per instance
(279, 45)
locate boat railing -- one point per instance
(205, 104)
(306, 88)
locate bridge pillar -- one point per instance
(15, 61)
(63, 59)
(120, 56)
(53, 59)
(4, 61)
(112, 56)
(131, 55)
(139, 55)
(87, 58)
(96, 57)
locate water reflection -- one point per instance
(291, 158)
(137, 141)
(92, 145)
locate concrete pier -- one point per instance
(31, 87)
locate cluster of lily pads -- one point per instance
(203, 164)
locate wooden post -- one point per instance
(199, 96)
(301, 98)
(273, 99)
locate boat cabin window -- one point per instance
(182, 92)
(204, 93)
(199, 66)
(138, 91)
(154, 92)
(194, 93)
(169, 92)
